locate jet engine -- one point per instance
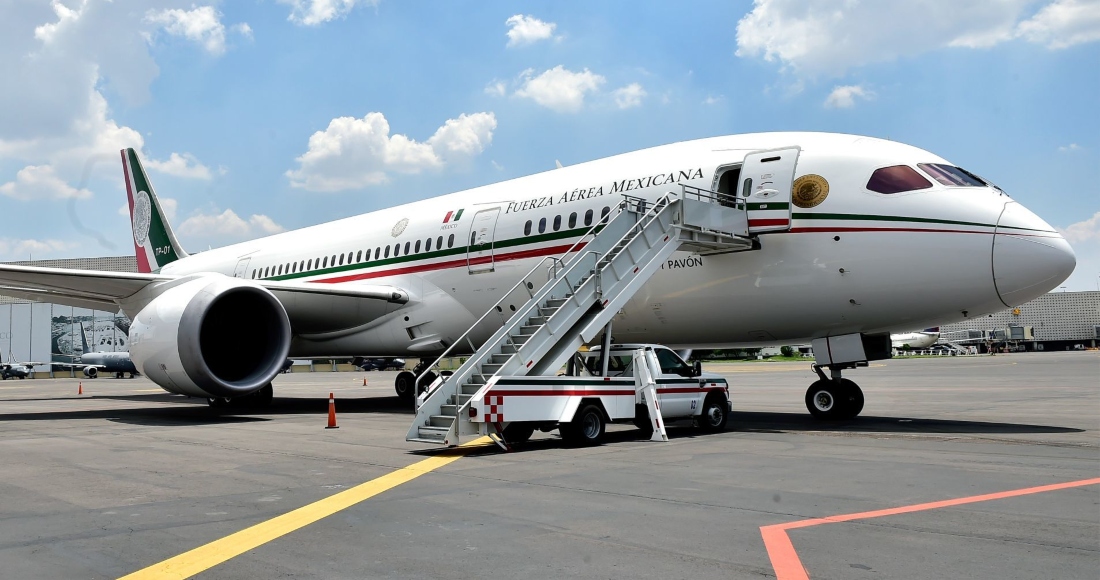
(91, 372)
(211, 336)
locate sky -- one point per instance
(255, 117)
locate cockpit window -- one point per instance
(896, 179)
(951, 176)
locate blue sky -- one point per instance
(254, 117)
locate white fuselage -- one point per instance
(859, 262)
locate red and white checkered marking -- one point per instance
(494, 409)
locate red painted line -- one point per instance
(788, 566)
(535, 253)
(763, 223)
(687, 389)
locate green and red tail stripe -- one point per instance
(154, 243)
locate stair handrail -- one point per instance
(591, 233)
(648, 215)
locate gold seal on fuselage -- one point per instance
(809, 191)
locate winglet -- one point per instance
(154, 242)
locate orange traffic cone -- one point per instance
(332, 413)
(364, 381)
(80, 388)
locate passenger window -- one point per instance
(428, 245)
(341, 259)
(377, 253)
(897, 179)
(557, 222)
(416, 250)
(253, 273)
(952, 176)
(396, 250)
(309, 264)
(387, 252)
(293, 268)
(358, 256)
(473, 236)
(527, 228)
(603, 213)
(588, 218)
(572, 220)
(450, 241)
(671, 364)
(542, 225)
(439, 243)
(333, 262)
(266, 271)
(746, 190)
(407, 248)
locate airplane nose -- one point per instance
(1030, 257)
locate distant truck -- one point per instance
(580, 402)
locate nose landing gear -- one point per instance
(833, 397)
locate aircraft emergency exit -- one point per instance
(831, 220)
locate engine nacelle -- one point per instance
(91, 372)
(213, 336)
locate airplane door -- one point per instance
(766, 181)
(241, 270)
(479, 254)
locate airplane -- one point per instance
(915, 340)
(832, 232)
(92, 363)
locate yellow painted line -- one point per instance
(205, 557)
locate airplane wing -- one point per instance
(312, 308)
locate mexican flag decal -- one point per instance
(452, 216)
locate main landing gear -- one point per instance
(257, 400)
(833, 397)
(403, 384)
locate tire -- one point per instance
(641, 420)
(218, 402)
(518, 432)
(403, 385)
(853, 399)
(586, 428)
(823, 400)
(715, 414)
(263, 397)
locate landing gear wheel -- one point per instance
(263, 397)
(713, 418)
(218, 402)
(839, 399)
(853, 396)
(403, 384)
(425, 383)
(518, 432)
(587, 427)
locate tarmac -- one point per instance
(977, 467)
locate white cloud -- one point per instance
(228, 225)
(1083, 231)
(629, 96)
(201, 25)
(526, 30)
(1070, 147)
(1063, 23)
(559, 89)
(713, 100)
(844, 97)
(35, 182)
(15, 249)
(315, 12)
(496, 89)
(828, 37)
(355, 153)
(180, 166)
(243, 29)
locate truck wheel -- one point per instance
(403, 384)
(518, 432)
(587, 427)
(713, 418)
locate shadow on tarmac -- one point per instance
(787, 422)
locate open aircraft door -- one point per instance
(766, 181)
(479, 254)
(241, 271)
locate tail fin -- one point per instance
(154, 243)
(84, 340)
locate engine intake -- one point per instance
(211, 336)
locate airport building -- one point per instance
(39, 332)
(1058, 321)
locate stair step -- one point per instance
(536, 320)
(441, 420)
(521, 338)
(500, 358)
(468, 389)
(509, 349)
(438, 433)
(476, 379)
(528, 330)
(555, 302)
(461, 399)
(448, 409)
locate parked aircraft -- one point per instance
(92, 363)
(915, 340)
(832, 216)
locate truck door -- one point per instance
(479, 254)
(677, 390)
(766, 181)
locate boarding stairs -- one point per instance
(568, 300)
